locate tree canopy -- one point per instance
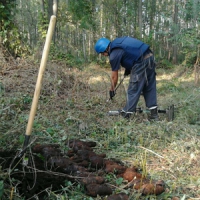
(171, 28)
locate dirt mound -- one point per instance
(48, 167)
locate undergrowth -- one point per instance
(73, 104)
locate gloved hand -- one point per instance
(112, 94)
(127, 72)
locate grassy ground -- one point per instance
(73, 104)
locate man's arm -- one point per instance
(114, 80)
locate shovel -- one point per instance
(38, 84)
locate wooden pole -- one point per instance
(39, 79)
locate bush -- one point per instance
(164, 64)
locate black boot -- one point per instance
(154, 115)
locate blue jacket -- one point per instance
(133, 50)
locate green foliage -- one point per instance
(50, 131)
(191, 10)
(82, 12)
(27, 99)
(165, 64)
(21, 139)
(119, 181)
(193, 115)
(190, 58)
(1, 188)
(43, 24)
(5, 7)
(190, 42)
(103, 62)
(1, 89)
(149, 39)
(11, 36)
(189, 37)
(58, 55)
(168, 86)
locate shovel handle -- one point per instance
(119, 83)
(40, 75)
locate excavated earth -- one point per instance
(45, 166)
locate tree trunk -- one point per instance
(140, 18)
(55, 10)
(42, 6)
(175, 46)
(197, 67)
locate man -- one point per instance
(138, 60)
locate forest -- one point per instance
(57, 138)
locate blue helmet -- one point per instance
(101, 45)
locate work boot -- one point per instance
(153, 115)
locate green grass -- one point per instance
(76, 107)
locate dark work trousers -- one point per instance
(142, 79)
